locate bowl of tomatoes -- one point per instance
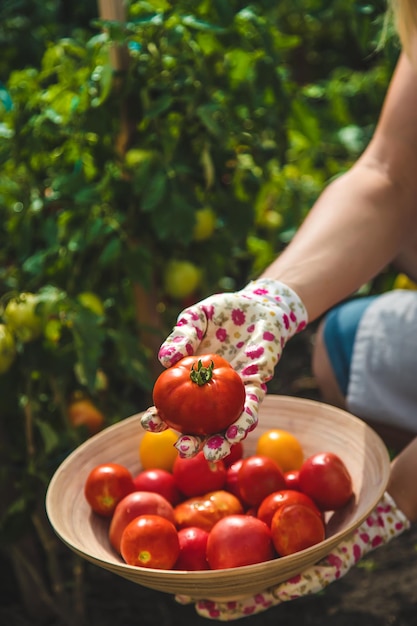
(318, 428)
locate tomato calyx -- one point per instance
(202, 375)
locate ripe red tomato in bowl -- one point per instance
(196, 475)
(296, 527)
(158, 481)
(135, 504)
(106, 485)
(231, 478)
(193, 546)
(150, 541)
(257, 477)
(204, 511)
(278, 499)
(238, 540)
(325, 478)
(199, 395)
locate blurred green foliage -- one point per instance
(245, 109)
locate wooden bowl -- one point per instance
(319, 428)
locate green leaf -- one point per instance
(49, 436)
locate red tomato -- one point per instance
(200, 394)
(259, 476)
(159, 481)
(325, 478)
(235, 454)
(106, 485)
(204, 511)
(135, 504)
(292, 479)
(196, 476)
(150, 541)
(296, 527)
(278, 499)
(193, 544)
(231, 478)
(239, 540)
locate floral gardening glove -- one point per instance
(385, 522)
(249, 328)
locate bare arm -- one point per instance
(402, 482)
(364, 219)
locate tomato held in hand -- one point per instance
(106, 485)
(199, 395)
(197, 475)
(150, 541)
(325, 478)
(239, 540)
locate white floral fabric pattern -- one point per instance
(249, 328)
(384, 523)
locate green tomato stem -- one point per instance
(202, 374)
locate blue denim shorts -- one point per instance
(340, 326)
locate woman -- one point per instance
(364, 220)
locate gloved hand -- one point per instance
(385, 522)
(249, 328)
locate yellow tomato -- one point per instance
(281, 446)
(157, 451)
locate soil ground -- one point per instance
(380, 591)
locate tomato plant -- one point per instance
(196, 475)
(158, 481)
(278, 499)
(295, 527)
(257, 477)
(239, 540)
(150, 541)
(21, 317)
(134, 504)
(7, 348)
(193, 546)
(204, 511)
(199, 394)
(325, 478)
(106, 485)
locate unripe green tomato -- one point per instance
(7, 348)
(21, 317)
(91, 301)
(205, 224)
(272, 220)
(181, 279)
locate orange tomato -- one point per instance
(281, 446)
(156, 450)
(83, 413)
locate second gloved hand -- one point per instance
(249, 328)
